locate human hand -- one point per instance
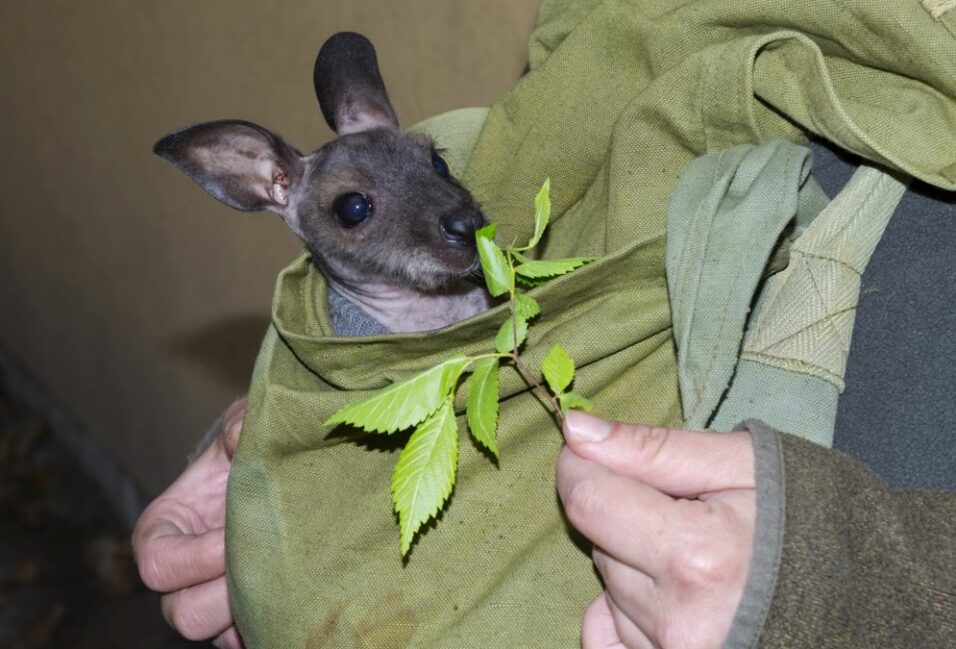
(179, 542)
(671, 515)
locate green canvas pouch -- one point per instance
(310, 515)
(620, 98)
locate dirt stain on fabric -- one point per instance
(388, 624)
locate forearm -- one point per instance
(841, 560)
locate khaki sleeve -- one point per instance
(840, 560)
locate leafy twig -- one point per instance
(426, 470)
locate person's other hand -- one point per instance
(179, 542)
(671, 516)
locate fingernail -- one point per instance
(587, 428)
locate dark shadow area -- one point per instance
(226, 349)
(376, 442)
(67, 577)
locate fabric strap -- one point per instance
(727, 214)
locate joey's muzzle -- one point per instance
(460, 228)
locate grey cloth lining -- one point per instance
(350, 320)
(897, 415)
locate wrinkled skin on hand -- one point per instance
(671, 515)
(179, 542)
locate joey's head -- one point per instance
(375, 205)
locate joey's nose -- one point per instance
(460, 228)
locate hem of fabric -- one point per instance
(754, 607)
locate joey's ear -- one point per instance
(349, 87)
(239, 163)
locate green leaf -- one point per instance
(558, 369)
(526, 281)
(550, 267)
(570, 400)
(404, 404)
(526, 307)
(482, 409)
(425, 472)
(542, 213)
(494, 265)
(531, 283)
(505, 340)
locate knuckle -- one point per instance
(699, 563)
(228, 639)
(651, 443)
(696, 568)
(582, 499)
(151, 571)
(188, 621)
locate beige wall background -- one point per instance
(134, 298)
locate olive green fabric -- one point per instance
(620, 97)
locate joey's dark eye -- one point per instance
(352, 208)
(440, 165)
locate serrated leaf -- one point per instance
(482, 408)
(550, 267)
(531, 283)
(526, 281)
(505, 340)
(570, 400)
(404, 404)
(526, 307)
(425, 472)
(558, 369)
(498, 276)
(542, 213)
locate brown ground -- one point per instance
(67, 578)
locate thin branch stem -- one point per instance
(549, 401)
(546, 397)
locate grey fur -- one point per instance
(419, 236)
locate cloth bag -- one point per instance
(620, 98)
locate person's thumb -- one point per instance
(679, 462)
(232, 425)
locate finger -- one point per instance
(684, 613)
(630, 633)
(200, 612)
(169, 560)
(627, 518)
(232, 425)
(229, 639)
(597, 628)
(631, 594)
(196, 499)
(205, 476)
(679, 462)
